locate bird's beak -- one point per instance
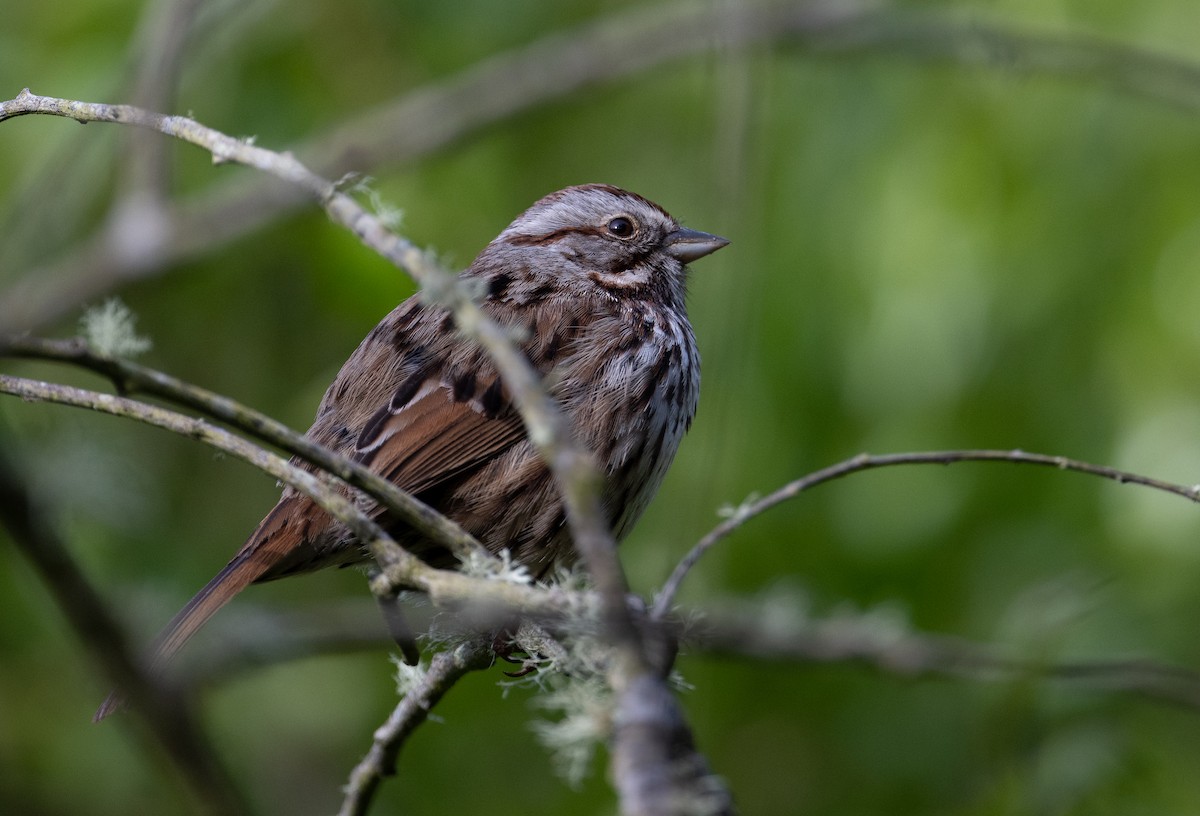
(689, 245)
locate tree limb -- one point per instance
(861, 638)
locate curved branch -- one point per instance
(866, 461)
(131, 378)
(447, 588)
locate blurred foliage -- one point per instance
(924, 256)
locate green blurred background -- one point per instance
(926, 254)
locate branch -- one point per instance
(656, 768)
(450, 589)
(166, 715)
(862, 637)
(444, 671)
(866, 461)
(769, 631)
(131, 378)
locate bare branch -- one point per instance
(447, 588)
(445, 669)
(860, 637)
(866, 461)
(131, 378)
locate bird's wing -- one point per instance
(424, 437)
(433, 437)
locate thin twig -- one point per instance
(320, 490)
(132, 378)
(866, 461)
(445, 669)
(165, 713)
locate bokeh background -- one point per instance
(940, 240)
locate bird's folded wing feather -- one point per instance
(434, 438)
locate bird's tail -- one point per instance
(277, 535)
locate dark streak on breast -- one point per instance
(541, 291)
(657, 447)
(627, 342)
(651, 383)
(551, 348)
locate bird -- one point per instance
(592, 281)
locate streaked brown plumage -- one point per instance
(595, 276)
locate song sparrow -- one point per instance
(594, 278)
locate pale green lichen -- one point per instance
(498, 568)
(109, 330)
(408, 677)
(388, 214)
(586, 704)
(571, 675)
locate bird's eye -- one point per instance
(621, 227)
